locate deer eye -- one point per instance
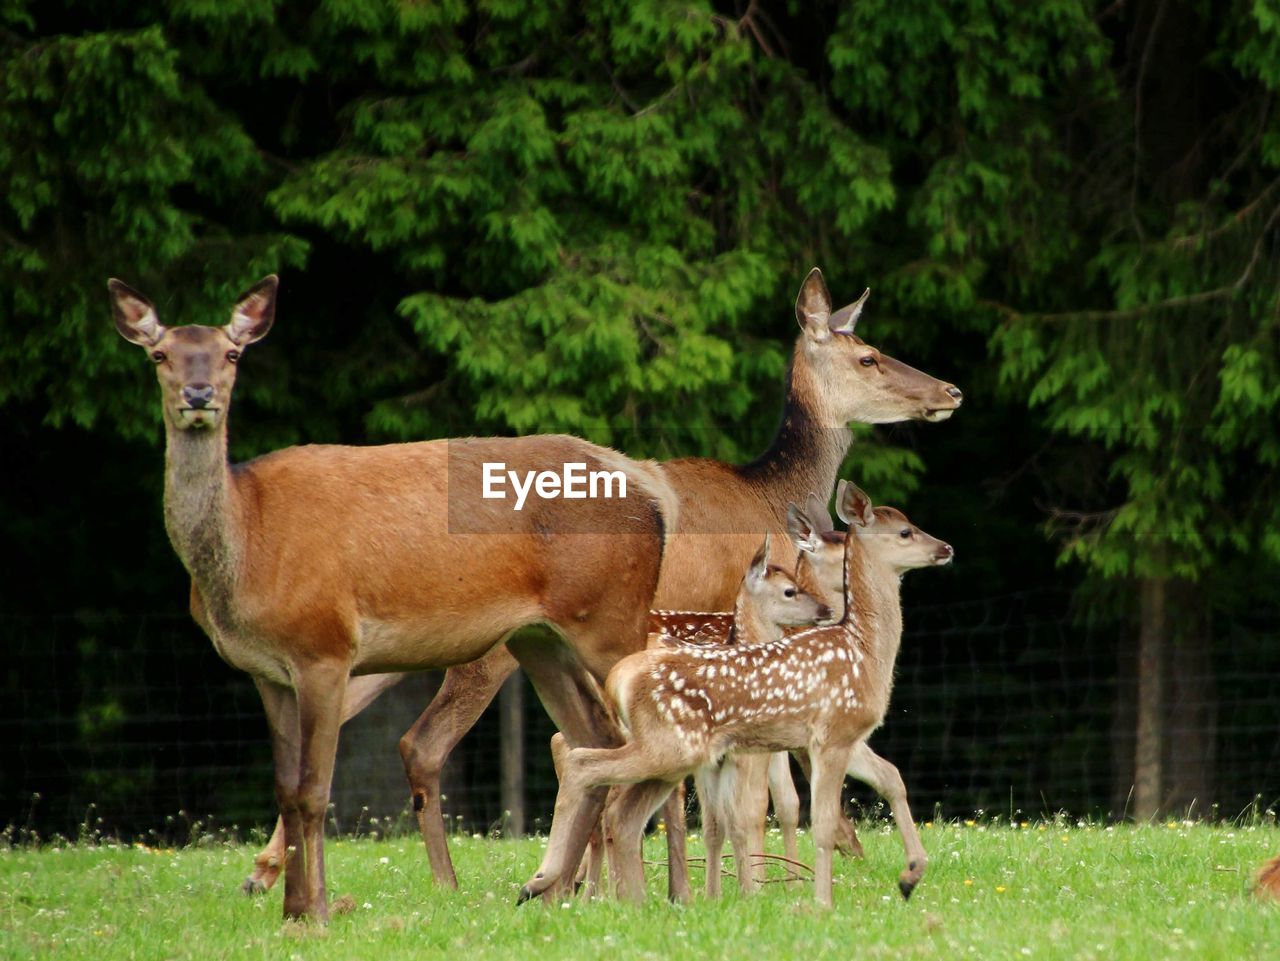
(868, 361)
(905, 533)
(159, 356)
(233, 356)
(789, 592)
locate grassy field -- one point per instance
(1043, 890)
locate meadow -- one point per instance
(1049, 890)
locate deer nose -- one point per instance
(824, 612)
(197, 396)
(945, 552)
(956, 393)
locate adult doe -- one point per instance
(313, 565)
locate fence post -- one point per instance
(511, 747)
(1148, 767)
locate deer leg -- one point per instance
(786, 805)
(745, 809)
(870, 768)
(267, 865)
(587, 877)
(281, 707)
(673, 815)
(707, 781)
(573, 699)
(319, 689)
(625, 823)
(467, 690)
(847, 842)
(829, 764)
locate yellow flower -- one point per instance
(968, 882)
(1000, 888)
(970, 824)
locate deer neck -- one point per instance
(809, 445)
(873, 616)
(199, 498)
(750, 626)
(883, 586)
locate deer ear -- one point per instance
(135, 316)
(846, 318)
(254, 312)
(813, 307)
(854, 506)
(805, 535)
(759, 563)
(818, 514)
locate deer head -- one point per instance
(776, 596)
(853, 379)
(819, 547)
(195, 364)
(887, 533)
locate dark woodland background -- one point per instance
(514, 216)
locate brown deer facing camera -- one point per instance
(314, 565)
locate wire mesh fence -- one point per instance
(1013, 705)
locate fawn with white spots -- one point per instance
(823, 689)
(769, 600)
(820, 572)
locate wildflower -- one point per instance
(968, 882)
(1000, 889)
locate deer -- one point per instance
(317, 569)
(819, 571)
(769, 600)
(834, 378)
(1267, 883)
(823, 689)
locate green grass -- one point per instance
(992, 891)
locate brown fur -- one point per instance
(724, 510)
(1268, 880)
(314, 564)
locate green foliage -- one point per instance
(505, 216)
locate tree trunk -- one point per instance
(1148, 774)
(511, 746)
(1192, 712)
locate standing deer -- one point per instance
(835, 378)
(824, 689)
(768, 600)
(819, 571)
(314, 565)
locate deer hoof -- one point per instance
(252, 886)
(531, 889)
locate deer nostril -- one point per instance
(197, 395)
(956, 393)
